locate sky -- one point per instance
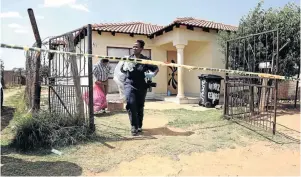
(55, 17)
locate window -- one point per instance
(145, 52)
(117, 52)
(122, 52)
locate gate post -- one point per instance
(49, 74)
(90, 76)
(276, 84)
(37, 84)
(225, 81)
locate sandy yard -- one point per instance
(178, 140)
(259, 159)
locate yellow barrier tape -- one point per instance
(158, 63)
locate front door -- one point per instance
(172, 74)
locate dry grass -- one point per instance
(185, 132)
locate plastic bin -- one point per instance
(210, 90)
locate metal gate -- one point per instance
(67, 72)
(248, 98)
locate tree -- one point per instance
(44, 72)
(19, 73)
(287, 20)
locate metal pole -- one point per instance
(297, 84)
(37, 84)
(90, 76)
(49, 75)
(226, 80)
(276, 85)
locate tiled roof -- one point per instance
(203, 23)
(130, 27)
(150, 29)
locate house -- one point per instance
(188, 41)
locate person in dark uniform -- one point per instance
(135, 86)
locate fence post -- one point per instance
(276, 85)
(37, 85)
(225, 81)
(297, 86)
(76, 79)
(90, 76)
(50, 56)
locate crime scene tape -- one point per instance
(152, 62)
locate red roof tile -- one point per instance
(203, 23)
(130, 27)
(149, 29)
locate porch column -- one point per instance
(180, 58)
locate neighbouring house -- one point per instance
(186, 41)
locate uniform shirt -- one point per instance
(101, 72)
(136, 77)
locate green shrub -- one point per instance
(47, 130)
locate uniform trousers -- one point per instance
(135, 99)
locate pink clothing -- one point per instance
(99, 100)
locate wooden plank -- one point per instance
(76, 78)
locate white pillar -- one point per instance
(180, 59)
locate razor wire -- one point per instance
(152, 62)
(44, 61)
(57, 73)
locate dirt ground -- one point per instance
(178, 140)
(259, 159)
(162, 105)
(253, 160)
(10, 92)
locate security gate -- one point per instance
(70, 76)
(250, 98)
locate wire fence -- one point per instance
(67, 73)
(30, 66)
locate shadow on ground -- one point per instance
(165, 131)
(153, 100)
(287, 109)
(7, 114)
(278, 138)
(9, 149)
(16, 167)
(147, 134)
(106, 114)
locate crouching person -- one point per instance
(101, 73)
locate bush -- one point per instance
(47, 130)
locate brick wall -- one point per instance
(8, 77)
(287, 89)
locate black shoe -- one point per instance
(134, 131)
(140, 130)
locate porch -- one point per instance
(195, 48)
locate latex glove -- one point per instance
(149, 75)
